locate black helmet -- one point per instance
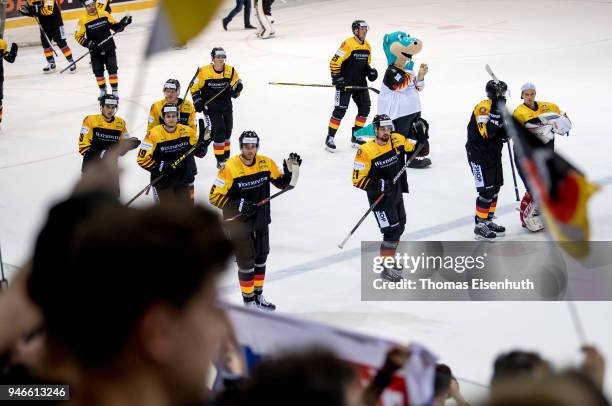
(495, 89)
(248, 137)
(172, 84)
(110, 100)
(216, 51)
(87, 2)
(382, 120)
(359, 24)
(169, 108)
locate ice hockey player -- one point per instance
(212, 92)
(165, 144)
(172, 89)
(94, 27)
(263, 14)
(350, 66)
(543, 120)
(8, 55)
(49, 16)
(240, 185)
(399, 93)
(377, 163)
(486, 135)
(100, 131)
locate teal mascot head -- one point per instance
(399, 48)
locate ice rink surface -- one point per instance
(564, 47)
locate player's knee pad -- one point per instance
(339, 113)
(111, 65)
(393, 232)
(246, 263)
(488, 194)
(363, 110)
(260, 260)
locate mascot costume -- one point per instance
(399, 94)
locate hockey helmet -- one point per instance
(172, 84)
(496, 89)
(169, 108)
(357, 24)
(527, 86)
(248, 137)
(218, 51)
(382, 120)
(87, 2)
(109, 100)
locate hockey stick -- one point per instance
(516, 191)
(379, 198)
(88, 52)
(295, 173)
(46, 36)
(191, 83)
(3, 281)
(173, 166)
(349, 88)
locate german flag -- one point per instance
(561, 189)
(179, 21)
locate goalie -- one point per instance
(543, 120)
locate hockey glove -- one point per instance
(246, 207)
(339, 82)
(124, 22)
(12, 54)
(198, 103)
(381, 186)
(93, 47)
(162, 169)
(372, 74)
(25, 11)
(236, 89)
(294, 159)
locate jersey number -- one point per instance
(142, 153)
(355, 174)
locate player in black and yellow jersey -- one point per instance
(486, 135)
(350, 66)
(95, 27)
(162, 146)
(219, 81)
(8, 55)
(377, 163)
(242, 183)
(543, 120)
(172, 89)
(100, 131)
(48, 14)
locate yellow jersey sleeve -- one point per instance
(361, 169)
(3, 47)
(340, 56)
(481, 115)
(234, 78)
(199, 81)
(47, 8)
(85, 136)
(153, 116)
(219, 191)
(145, 153)
(106, 14)
(80, 33)
(191, 110)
